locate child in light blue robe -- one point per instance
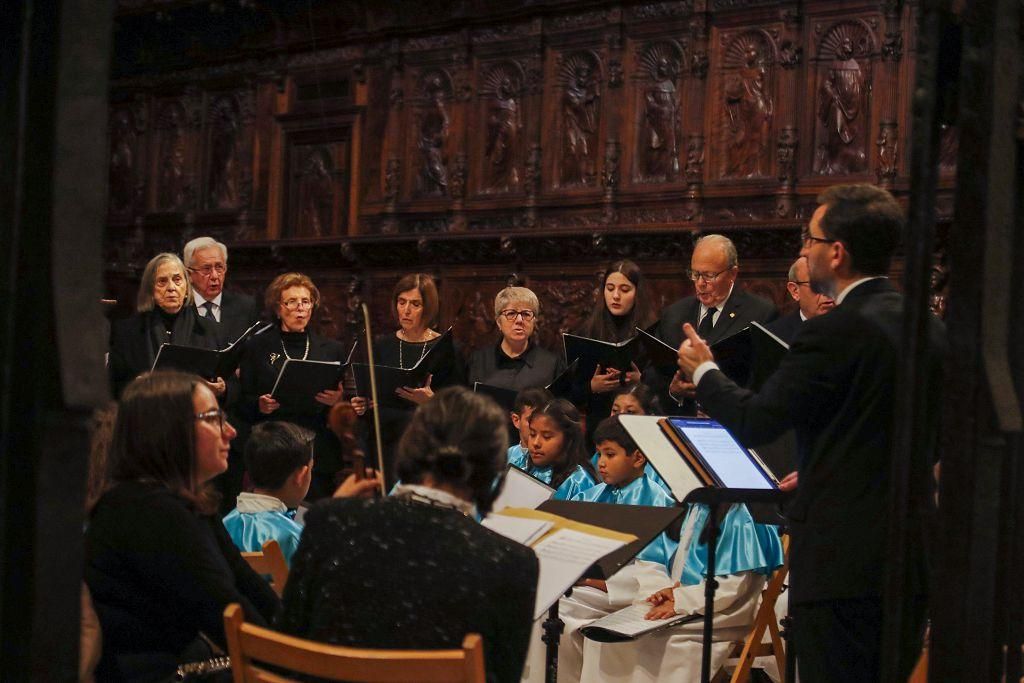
(577, 482)
(279, 459)
(527, 400)
(556, 453)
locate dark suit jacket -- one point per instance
(740, 310)
(786, 327)
(258, 375)
(135, 341)
(836, 389)
(391, 573)
(238, 312)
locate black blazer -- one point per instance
(836, 389)
(786, 327)
(238, 312)
(258, 375)
(396, 574)
(134, 342)
(741, 309)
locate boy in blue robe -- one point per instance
(279, 459)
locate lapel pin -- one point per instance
(732, 315)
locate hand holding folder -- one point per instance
(207, 363)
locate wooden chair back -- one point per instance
(271, 561)
(751, 646)
(247, 642)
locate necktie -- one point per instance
(707, 324)
(208, 307)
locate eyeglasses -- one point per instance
(800, 283)
(808, 239)
(510, 314)
(215, 416)
(207, 271)
(296, 304)
(706, 277)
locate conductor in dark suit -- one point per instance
(809, 303)
(232, 313)
(836, 389)
(718, 309)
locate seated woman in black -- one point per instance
(516, 362)
(158, 562)
(415, 570)
(292, 298)
(165, 315)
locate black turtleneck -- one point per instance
(168, 318)
(295, 343)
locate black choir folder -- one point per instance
(207, 363)
(560, 387)
(592, 353)
(390, 379)
(750, 356)
(299, 381)
(662, 356)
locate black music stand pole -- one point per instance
(553, 627)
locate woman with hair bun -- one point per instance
(415, 569)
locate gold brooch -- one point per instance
(274, 357)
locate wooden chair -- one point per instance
(751, 646)
(271, 561)
(334, 662)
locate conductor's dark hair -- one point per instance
(533, 397)
(867, 220)
(458, 438)
(611, 429)
(274, 451)
(647, 399)
(574, 447)
(155, 437)
(602, 324)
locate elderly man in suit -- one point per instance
(809, 302)
(232, 313)
(836, 389)
(717, 309)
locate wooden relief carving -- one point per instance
(565, 305)
(432, 132)
(316, 191)
(888, 153)
(224, 184)
(501, 91)
(579, 81)
(748, 106)
(125, 185)
(949, 147)
(174, 187)
(843, 111)
(659, 120)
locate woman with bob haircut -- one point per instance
(292, 299)
(516, 362)
(415, 308)
(423, 543)
(164, 314)
(158, 561)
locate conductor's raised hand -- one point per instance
(692, 352)
(267, 404)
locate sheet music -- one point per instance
(564, 557)
(662, 455)
(520, 490)
(519, 529)
(629, 621)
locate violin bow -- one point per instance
(373, 397)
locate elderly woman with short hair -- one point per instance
(165, 314)
(516, 362)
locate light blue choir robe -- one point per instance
(257, 519)
(743, 545)
(648, 470)
(580, 480)
(641, 491)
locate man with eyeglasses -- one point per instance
(232, 313)
(717, 309)
(836, 389)
(809, 303)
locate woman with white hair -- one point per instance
(165, 314)
(516, 361)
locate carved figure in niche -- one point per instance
(433, 137)
(660, 155)
(224, 180)
(840, 101)
(122, 163)
(949, 146)
(748, 113)
(503, 125)
(315, 190)
(580, 109)
(171, 194)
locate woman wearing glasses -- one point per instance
(292, 298)
(158, 561)
(165, 315)
(516, 362)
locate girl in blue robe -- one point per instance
(556, 453)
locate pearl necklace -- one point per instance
(304, 355)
